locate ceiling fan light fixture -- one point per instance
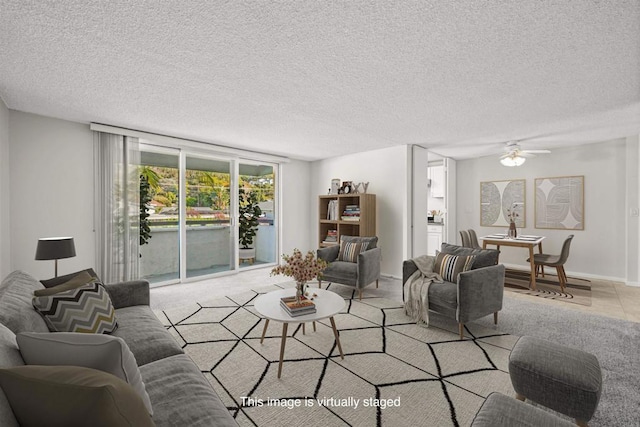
(511, 161)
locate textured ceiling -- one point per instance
(315, 79)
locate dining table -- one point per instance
(522, 241)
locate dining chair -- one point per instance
(557, 261)
(470, 239)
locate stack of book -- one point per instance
(332, 237)
(351, 213)
(293, 309)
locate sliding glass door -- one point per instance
(160, 186)
(257, 189)
(190, 208)
(208, 204)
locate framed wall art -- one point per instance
(560, 202)
(497, 197)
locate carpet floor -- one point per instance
(395, 373)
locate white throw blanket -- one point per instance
(416, 289)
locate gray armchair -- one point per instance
(357, 274)
(478, 292)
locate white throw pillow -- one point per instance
(97, 351)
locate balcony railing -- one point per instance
(208, 248)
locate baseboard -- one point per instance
(573, 273)
(633, 284)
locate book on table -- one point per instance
(305, 306)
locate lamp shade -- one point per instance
(55, 248)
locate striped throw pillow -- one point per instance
(86, 308)
(349, 251)
(449, 266)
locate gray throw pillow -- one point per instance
(102, 352)
(484, 257)
(71, 396)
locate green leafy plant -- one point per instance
(249, 214)
(149, 183)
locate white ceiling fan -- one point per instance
(516, 156)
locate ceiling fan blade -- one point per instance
(526, 154)
(537, 151)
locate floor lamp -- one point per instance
(55, 248)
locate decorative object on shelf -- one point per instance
(301, 268)
(496, 197)
(335, 186)
(560, 202)
(356, 188)
(513, 215)
(346, 187)
(55, 248)
(248, 224)
(365, 185)
(437, 215)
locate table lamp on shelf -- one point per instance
(55, 248)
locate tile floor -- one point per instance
(608, 298)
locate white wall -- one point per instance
(386, 172)
(632, 208)
(599, 250)
(51, 191)
(298, 208)
(5, 236)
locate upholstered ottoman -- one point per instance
(502, 411)
(564, 379)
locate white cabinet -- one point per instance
(434, 239)
(436, 175)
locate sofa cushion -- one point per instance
(146, 337)
(81, 279)
(55, 281)
(87, 308)
(341, 272)
(443, 294)
(449, 266)
(17, 313)
(349, 251)
(71, 396)
(96, 351)
(484, 257)
(9, 357)
(181, 396)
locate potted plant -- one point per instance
(248, 223)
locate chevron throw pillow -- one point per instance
(86, 308)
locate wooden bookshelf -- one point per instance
(364, 227)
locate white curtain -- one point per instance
(117, 222)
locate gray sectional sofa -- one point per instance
(179, 393)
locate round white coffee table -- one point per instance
(328, 304)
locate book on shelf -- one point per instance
(350, 218)
(332, 210)
(332, 236)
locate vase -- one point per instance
(300, 288)
(513, 233)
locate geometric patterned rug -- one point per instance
(576, 290)
(394, 372)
